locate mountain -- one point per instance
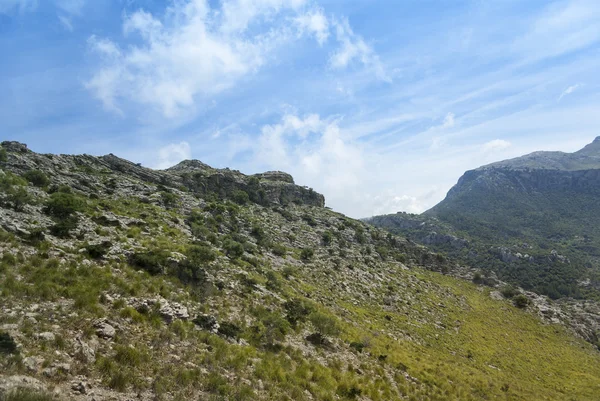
(533, 220)
(120, 282)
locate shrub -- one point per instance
(63, 227)
(279, 250)
(3, 155)
(154, 262)
(327, 238)
(169, 199)
(233, 249)
(241, 197)
(18, 198)
(97, 251)
(307, 253)
(62, 205)
(7, 344)
(26, 394)
(37, 178)
(324, 324)
(508, 291)
(129, 356)
(205, 322)
(297, 311)
(521, 301)
(200, 254)
(309, 220)
(359, 235)
(229, 329)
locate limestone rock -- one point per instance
(104, 329)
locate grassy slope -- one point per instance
(405, 333)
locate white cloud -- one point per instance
(495, 146)
(448, 121)
(193, 52)
(354, 48)
(568, 91)
(172, 154)
(315, 23)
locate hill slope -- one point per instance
(121, 282)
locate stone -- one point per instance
(85, 353)
(46, 336)
(104, 329)
(33, 363)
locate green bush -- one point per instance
(18, 198)
(297, 311)
(324, 324)
(200, 254)
(129, 356)
(233, 249)
(241, 197)
(63, 227)
(154, 262)
(37, 178)
(521, 301)
(508, 291)
(306, 254)
(61, 205)
(279, 249)
(229, 329)
(7, 344)
(169, 199)
(97, 251)
(3, 155)
(327, 238)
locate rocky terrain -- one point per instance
(119, 282)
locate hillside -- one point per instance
(121, 282)
(533, 220)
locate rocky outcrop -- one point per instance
(81, 172)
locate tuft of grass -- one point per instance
(26, 394)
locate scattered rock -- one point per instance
(104, 329)
(46, 336)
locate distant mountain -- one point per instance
(533, 220)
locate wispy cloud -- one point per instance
(568, 91)
(353, 48)
(495, 145)
(314, 22)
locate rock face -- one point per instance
(273, 187)
(269, 188)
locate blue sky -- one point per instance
(379, 105)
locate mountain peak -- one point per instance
(592, 149)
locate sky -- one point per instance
(381, 105)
